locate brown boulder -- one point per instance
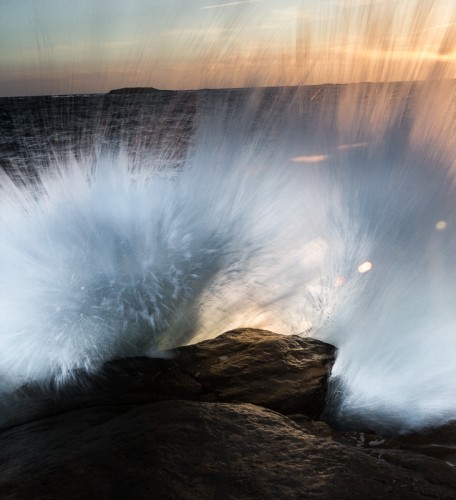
(196, 450)
(284, 373)
(186, 428)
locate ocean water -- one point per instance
(132, 224)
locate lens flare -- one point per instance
(365, 267)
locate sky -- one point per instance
(91, 46)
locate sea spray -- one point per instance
(397, 339)
(106, 259)
(290, 211)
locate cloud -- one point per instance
(229, 4)
(356, 145)
(309, 159)
(197, 32)
(431, 28)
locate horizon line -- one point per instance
(202, 89)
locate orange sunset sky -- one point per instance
(90, 46)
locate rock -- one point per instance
(284, 373)
(438, 442)
(185, 427)
(196, 450)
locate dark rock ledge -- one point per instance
(235, 417)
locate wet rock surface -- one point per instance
(233, 417)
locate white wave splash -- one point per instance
(324, 224)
